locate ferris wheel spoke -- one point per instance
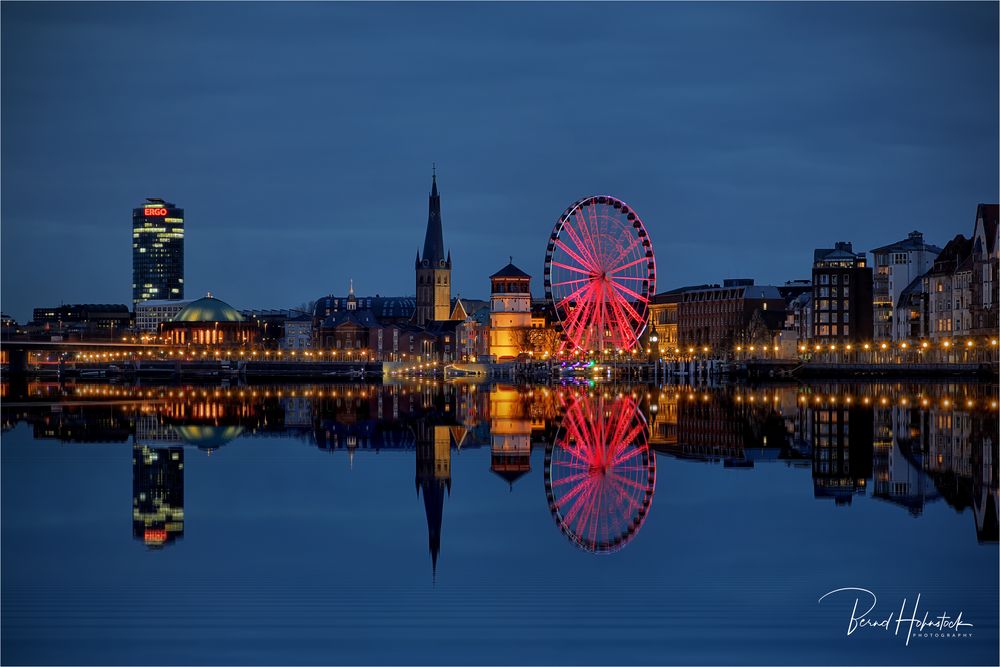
(635, 242)
(641, 279)
(573, 324)
(622, 458)
(577, 310)
(584, 226)
(578, 497)
(618, 434)
(570, 479)
(584, 249)
(627, 482)
(639, 319)
(624, 495)
(570, 282)
(581, 261)
(625, 330)
(630, 292)
(596, 513)
(632, 437)
(595, 222)
(641, 260)
(619, 441)
(572, 268)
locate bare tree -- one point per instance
(521, 339)
(544, 340)
(756, 332)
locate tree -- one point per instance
(521, 339)
(545, 340)
(756, 333)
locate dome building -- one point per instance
(210, 321)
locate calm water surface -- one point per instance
(430, 523)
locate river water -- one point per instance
(436, 523)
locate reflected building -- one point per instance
(433, 480)
(718, 426)
(510, 434)
(157, 494)
(83, 424)
(841, 437)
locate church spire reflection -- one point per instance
(433, 480)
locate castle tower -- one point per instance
(434, 268)
(510, 312)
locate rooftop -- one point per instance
(913, 242)
(208, 309)
(510, 271)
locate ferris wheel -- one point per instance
(600, 275)
(600, 473)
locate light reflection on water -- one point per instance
(599, 455)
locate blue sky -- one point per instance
(299, 137)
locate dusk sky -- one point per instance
(299, 138)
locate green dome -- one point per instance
(208, 309)
(208, 437)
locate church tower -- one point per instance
(434, 268)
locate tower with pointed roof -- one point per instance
(510, 312)
(433, 480)
(433, 269)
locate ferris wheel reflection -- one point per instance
(600, 473)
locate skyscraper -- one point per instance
(157, 251)
(433, 269)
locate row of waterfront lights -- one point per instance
(902, 345)
(764, 398)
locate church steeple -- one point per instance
(434, 238)
(433, 269)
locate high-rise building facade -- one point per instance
(157, 251)
(897, 265)
(842, 295)
(433, 269)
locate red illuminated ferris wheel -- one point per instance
(600, 473)
(600, 275)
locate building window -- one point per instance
(824, 279)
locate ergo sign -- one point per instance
(155, 211)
